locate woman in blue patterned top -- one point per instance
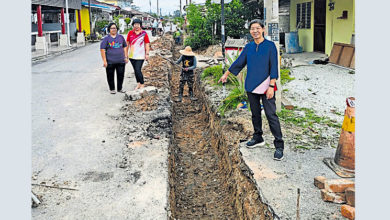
(261, 59)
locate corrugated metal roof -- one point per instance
(72, 4)
(235, 42)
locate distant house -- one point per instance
(321, 23)
(234, 46)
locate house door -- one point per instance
(319, 25)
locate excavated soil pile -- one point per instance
(155, 73)
(148, 103)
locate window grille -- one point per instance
(304, 15)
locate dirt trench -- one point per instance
(207, 176)
(197, 189)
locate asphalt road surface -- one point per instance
(75, 145)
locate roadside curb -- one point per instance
(42, 58)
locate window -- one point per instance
(50, 17)
(72, 17)
(304, 15)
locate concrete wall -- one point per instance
(337, 30)
(306, 36)
(54, 27)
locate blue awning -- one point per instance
(96, 6)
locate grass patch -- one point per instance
(306, 119)
(214, 71)
(302, 147)
(285, 76)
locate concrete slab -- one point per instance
(323, 88)
(279, 181)
(302, 59)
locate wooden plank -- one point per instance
(352, 65)
(344, 45)
(346, 56)
(335, 54)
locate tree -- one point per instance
(200, 32)
(116, 21)
(176, 13)
(127, 20)
(235, 19)
(253, 10)
(205, 21)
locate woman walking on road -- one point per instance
(113, 49)
(138, 42)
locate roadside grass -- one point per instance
(311, 123)
(306, 119)
(285, 76)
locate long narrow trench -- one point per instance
(198, 189)
(208, 178)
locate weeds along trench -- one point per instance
(207, 176)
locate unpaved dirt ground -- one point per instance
(198, 192)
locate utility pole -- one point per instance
(157, 10)
(223, 41)
(150, 6)
(180, 8)
(67, 22)
(271, 25)
(90, 18)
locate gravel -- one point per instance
(323, 88)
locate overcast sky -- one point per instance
(165, 5)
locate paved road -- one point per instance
(74, 143)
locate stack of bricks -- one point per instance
(338, 191)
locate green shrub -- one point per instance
(126, 31)
(285, 76)
(209, 71)
(237, 95)
(100, 24)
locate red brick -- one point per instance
(338, 198)
(348, 211)
(319, 182)
(350, 196)
(338, 185)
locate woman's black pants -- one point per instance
(120, 74)
(270, 113)
(137, 66)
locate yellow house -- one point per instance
(84, 14)
(322, 23)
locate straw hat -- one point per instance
(187, 51)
